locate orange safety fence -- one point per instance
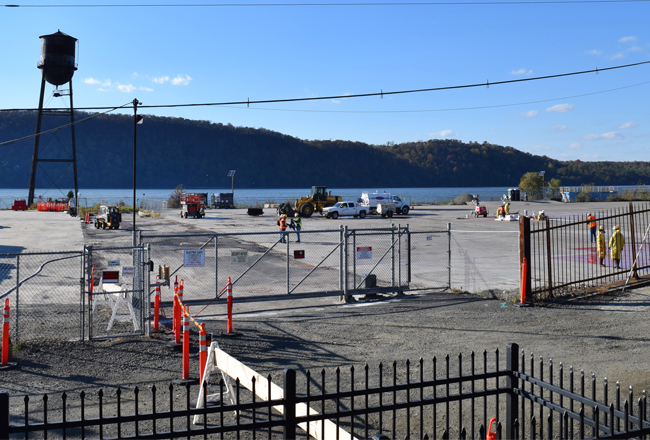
(52, 206)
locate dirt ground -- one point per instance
(603, 334)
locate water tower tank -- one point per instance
(58, 57)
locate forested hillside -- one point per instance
(199, 154)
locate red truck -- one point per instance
(193, 205)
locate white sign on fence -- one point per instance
(113, 263)
(128, 271)
(364, 253)
(238, 257)
(194, 258)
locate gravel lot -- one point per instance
(603, 334)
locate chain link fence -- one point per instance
(50, 293)
(45, 292)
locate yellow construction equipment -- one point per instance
(315, 202)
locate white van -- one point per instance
(372, 199)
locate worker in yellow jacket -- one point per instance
(600, 245)
(616, 243)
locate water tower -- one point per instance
(57, 66)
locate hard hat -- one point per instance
(284, 215)
(296, 214)
(602, 228)
(616, 227)
(589, 213)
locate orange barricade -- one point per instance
(203, 351)
(156, 310)
(186, 342)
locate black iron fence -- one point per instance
(562, 255)
(430, 399)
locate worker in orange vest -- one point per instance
(282, 224)
(592, 226)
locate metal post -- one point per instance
(146, 317)
(82, 297)
(17, 294)
(408, 255)
(548, 260)
(216, 265)
(449, 255)
(512, 404)
(633, 242)
(4, 415)
(89, 249)
(135, 130)
(289, 427)
(399, 255)
(345, 264)
(288, 279)
(354, 259)
(392, 255)
(341, 268)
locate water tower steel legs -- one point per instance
(39, 118)
(35, 158)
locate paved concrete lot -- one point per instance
(603, 334)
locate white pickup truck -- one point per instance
(370, 201)
(345, 208)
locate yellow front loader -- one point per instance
(306, 206)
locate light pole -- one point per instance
(136, 120)
(231, 174)
(541, 173)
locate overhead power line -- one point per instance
(267, 5)
(443, 109)
(381, 94)
(62, 126)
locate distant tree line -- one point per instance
(199, 154)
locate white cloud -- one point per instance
(626, 39)
(541, 148)
(574, 145)
(610, 135)
(161, 79)
(522, 72)
(561, 108)
(125, 88)
(145, 89)
(617, 56)
(529, 114)
(595, 52)
(134, 75)
(633, 49)
(336, 101)
(92, 81)
(103, 90)
(628, 125)
(443, 134)
(181, 80)
(559, 128)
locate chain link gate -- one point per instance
(335, 262)
(118, 305)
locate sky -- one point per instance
(167, 53)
